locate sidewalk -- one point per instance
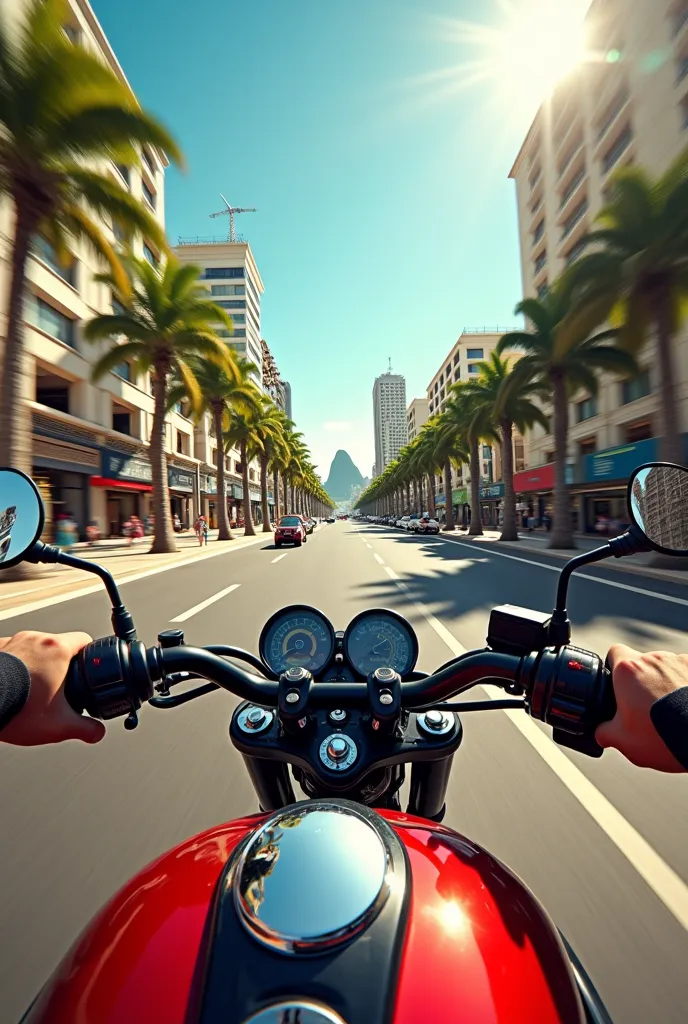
(538, 543)
(49, 582)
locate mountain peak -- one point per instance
(343, 477)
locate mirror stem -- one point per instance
(122, 622)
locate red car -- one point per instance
(290, 530)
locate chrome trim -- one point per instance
(297, 1011)
(313, 876)
(427, 724)
(339, 764)
(245, 724)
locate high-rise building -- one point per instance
(416, 416)
(90, 440)
(389, 414)
(286, 398)
(630, 108)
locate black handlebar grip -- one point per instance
(101, 680)
(573, 692)
(74, 687)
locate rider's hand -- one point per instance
(640, 680)
(47, 717)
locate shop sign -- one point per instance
(179, 479)
(492, 492)
(254, 495)
(460, 496)
(237, 491)
(208, 484)
(439, 500)
(541, 478)
(618, 463)
(118, 466)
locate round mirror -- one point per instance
(21, 516)
(658, 505)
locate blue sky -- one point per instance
(386, 218)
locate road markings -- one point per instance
(279, 557)
(96, 588)
(578, 575)
(205, 604)
(664, 882)
(369, 545)
(378, 559)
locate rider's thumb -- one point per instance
(606, 734)
(89, 730)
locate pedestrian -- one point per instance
(65, 531)
(198, 529)
(128, 531)
(205, 531)
(92, 532)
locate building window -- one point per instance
(574, 218)
(638, 431)
(148, 160)
(45, 251)
(241, 333)
(457, 373)
(473, 368)
(572, 187)
(150, 255)
(474, 353)
(586, 410)
(73, 33)
(148, 194)
(574, 253)
(638, 387)
(121, 234)
(620, 146)
(123, 370)
(232, 303)
(678, 19)
(124, 171)
(52, 392)
(448, 370)
(50, 320)
(541, 261)
(121, 422)
(539, 232)
(617, 107)
(542, 290)
(587, 446)
(456, 359)
(681, 68)
(218, 272)
(534, 178)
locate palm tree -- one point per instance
(221, 388)
(424, 460)
(268, 435)
(451, 449)
(61, 109)
(168, 322)
(638, 275)
(241, 433)
(559, 355)
(510, 406)
(472, 423)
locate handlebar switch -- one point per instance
(171, 638)
(384, 696)
(571, 692)
(293, 691)
(515, 630)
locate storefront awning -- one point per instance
(119, 485)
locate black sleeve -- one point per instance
(14, 687)
(670, 718)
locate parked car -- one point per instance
(307, 523)
(331, 520)
(403, 522)
(290, 530)
(426, 525)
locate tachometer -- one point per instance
(297, 636)
(380, 637)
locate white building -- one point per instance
(416, 415)
(389, 415)
(630, 107)
(90, 441)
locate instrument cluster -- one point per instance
(303, 636)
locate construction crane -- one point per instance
(230, 211)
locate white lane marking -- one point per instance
(450, 640)
(578, 575)
(205, 604)
(279, 558)
(378, 559)
(48, 602)
(369, 546)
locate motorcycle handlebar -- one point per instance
(566, 687)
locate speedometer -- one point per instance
(380, 638)
(297, 636)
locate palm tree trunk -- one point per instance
(419, 494)
(225, 532)
(670, 442)
(293, 498)
(562, 533)
(509, 529)
(431, 494)
(476, 527)
(16, 449)
(285, 489)
(448, 507)
(248, 518)
(163, 534)
(275, 488)
(264, 494)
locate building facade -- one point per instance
(389, 418)
(90, 440)
(286, 398)
(629, 106)
(416, 415)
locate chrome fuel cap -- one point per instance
(297, 1011)
(313, 876)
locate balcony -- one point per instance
(534, 179)
(679, 20)
(614, 154)
(574, 219)
(617, 107)
(572, 153)
(681, 68)
(539, 232)
(572, 187)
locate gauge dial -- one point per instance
(297, 636)
(380, 638)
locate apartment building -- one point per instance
(629, 105)
(90, 440)
(416, 415)
(462, 363)
(231, 278)
(389, 417)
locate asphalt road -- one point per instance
(603, 844)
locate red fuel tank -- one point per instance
(478, 946)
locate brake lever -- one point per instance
(175, 700)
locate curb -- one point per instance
(617, 564)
